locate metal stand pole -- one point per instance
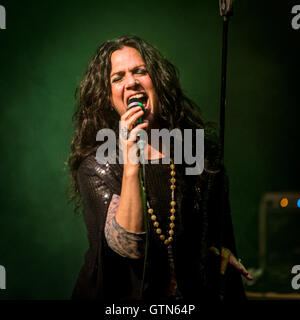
(225, 12)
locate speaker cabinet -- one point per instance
(279, 241)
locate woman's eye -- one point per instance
(141, 71)
(116, 79)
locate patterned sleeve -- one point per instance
(127, 244)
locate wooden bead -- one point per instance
(172, 211)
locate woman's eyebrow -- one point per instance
(134, 68)
(142, 65)
(117, 72)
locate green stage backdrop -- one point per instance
(44, 52)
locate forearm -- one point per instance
(127, 244)
(129, 214)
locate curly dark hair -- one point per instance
(94, 108)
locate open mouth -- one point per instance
(140, 97)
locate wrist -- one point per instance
(131, 170)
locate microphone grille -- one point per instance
(134, 102)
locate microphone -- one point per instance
(134, 102)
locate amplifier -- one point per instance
(279, 241)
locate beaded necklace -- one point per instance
(167, 239)
(172, 289)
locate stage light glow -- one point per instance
(298, 203)
(284, 202)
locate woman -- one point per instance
(163, 252)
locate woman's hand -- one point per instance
(128, 138)
(228, 257)
(129, 213)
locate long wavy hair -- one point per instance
(95, 111)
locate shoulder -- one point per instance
(91, 166)
(88, 165)
(110, 174)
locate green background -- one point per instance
(44, 53)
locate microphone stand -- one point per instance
(225, 12)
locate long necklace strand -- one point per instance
(167, 239)
(173, 289)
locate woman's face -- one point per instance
(129, 78)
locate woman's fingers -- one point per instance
(136, 130)
(130, 146)
(128, 119)
(129, 113)
(133, 119)
(228, 256)
(129, 132)
(239, 266)
(131, 135)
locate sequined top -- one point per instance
(107, 275)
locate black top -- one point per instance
(108, 276)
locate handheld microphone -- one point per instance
(134, 102)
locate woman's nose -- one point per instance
(131, 81)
